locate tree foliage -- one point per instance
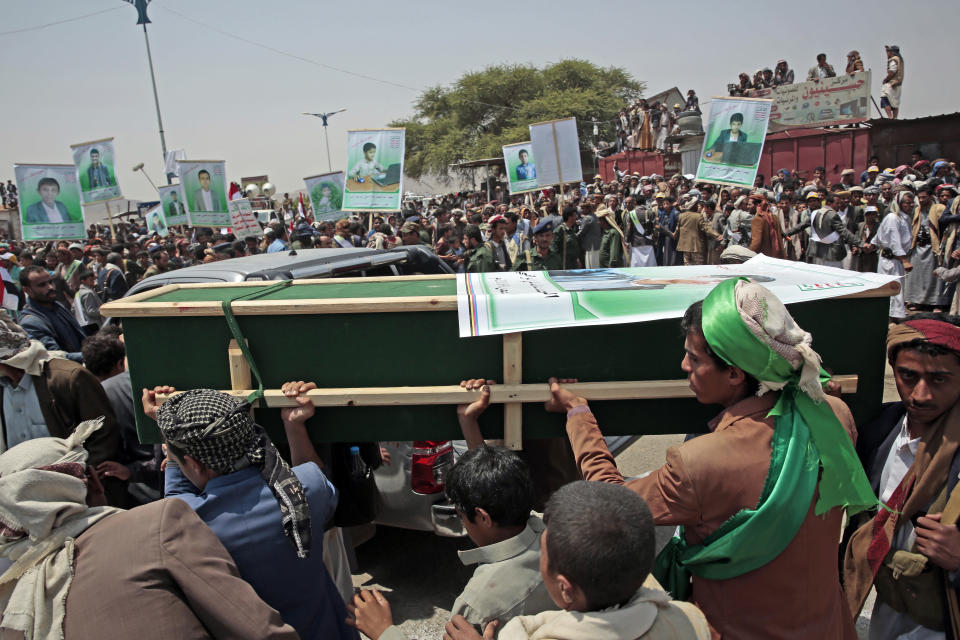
(484, 110)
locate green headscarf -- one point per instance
(749, 328)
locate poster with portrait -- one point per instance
(243, 220)
(326, 196)
(96, 164)
(156, 221)
(521, 167)
(171, 198)
(556, 146)
(204, 187)
(374, 180)
(734, 141)
(50, 205)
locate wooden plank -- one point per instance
(120, 309)
(240, 377)
(512, 376)
(499, 393)
(308, 281)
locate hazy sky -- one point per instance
(226, 99)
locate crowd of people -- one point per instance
(782, 74)
(645, 126)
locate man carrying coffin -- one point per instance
(759, 498)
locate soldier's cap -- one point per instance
(813, 195)
(543, 227)
(495, 219)
(410, 227)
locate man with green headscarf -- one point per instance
(760, 498)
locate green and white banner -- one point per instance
(734, 141)
(50, 206)
(156, 221)
(96, 168)
(243, 220)
(326, 196)
(374, 180)
(204, 185)
(171, 197)
(492, 303)
(521, 168)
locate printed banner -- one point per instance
(521, 168)
(156, 221)
(374, 180)
(171, 197)
(492, 303)
(556, 146)
(843, 99)
(204, 187)
(96, 165)
(734, 141)
(50, 206)
(243, 220)
(326, 196)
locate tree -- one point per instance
(484, 110)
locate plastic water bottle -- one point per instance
(358, 468)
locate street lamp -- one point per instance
(142, 18)
(139, 168)
(324, 116)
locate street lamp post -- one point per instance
(142, 19)
(326, 138)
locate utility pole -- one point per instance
(326, 138)
(142, 19)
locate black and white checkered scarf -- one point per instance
(218, 430)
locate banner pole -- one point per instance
(113, 232)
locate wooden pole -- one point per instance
(499, 393)
(113, 232)
(513, 375)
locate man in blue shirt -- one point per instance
(269, 517)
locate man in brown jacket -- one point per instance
(83, 570)
(692, 233)
(765, 230)
(748, 585)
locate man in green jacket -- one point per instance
(611, 242)
(541, 257)
(565, 240)
(481, 258)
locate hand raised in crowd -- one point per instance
(149, 400)
(469, 413)
(112, 469)
(304, 409)
(939, 542)
(370, 613)
(459, 629)
(562, 400)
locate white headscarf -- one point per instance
(43, 508)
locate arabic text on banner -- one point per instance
(843, 99)
(492, 303)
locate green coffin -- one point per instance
(403, 332)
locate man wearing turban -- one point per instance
(910, 550)
(760, 498)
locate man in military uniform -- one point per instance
(481, 258)
(565, 240)
(410, 233)
(541, 257)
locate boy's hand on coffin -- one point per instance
(304, 409)
(562, 400)
(474, 409)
